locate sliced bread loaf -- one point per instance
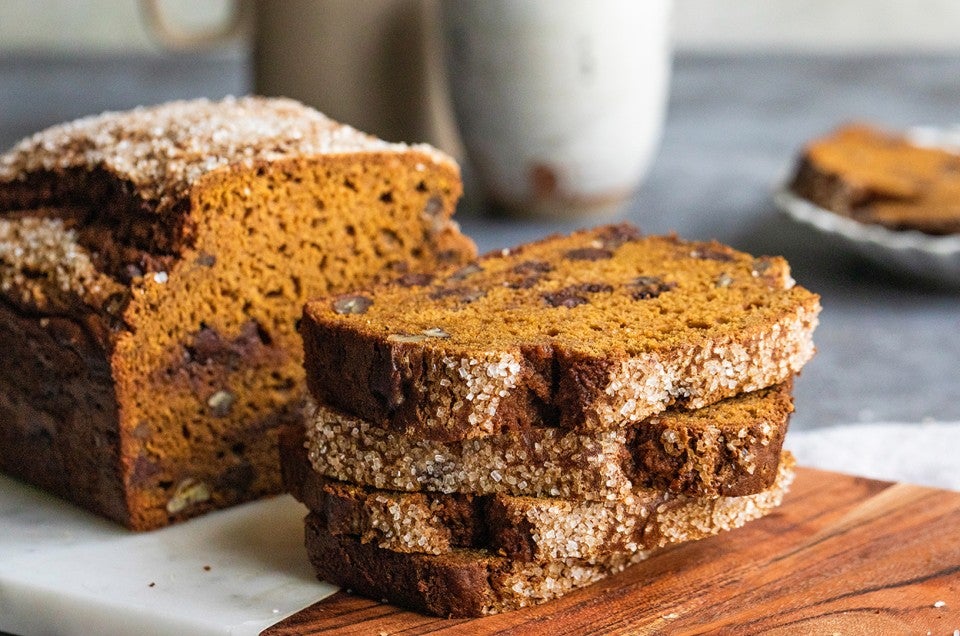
(471, 582)
(153, 266)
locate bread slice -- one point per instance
(878, 177)
(472, 582)
(730, 448)
(460, 583)
(592, 331)
(153, 267)
(519, 528)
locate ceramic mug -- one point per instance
(373, 64)
(559, 103)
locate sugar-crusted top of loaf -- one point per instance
(164, 149)
(44, 268)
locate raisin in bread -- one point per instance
(519, 528)
(596, 330)
(729, 448)
(153, 266)
(878, 177)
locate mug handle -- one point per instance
(173, 37)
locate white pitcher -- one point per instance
(559, 103)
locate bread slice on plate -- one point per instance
(592, 331)
(884, 178)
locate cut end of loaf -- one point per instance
(281, 234)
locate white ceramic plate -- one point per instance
(934, 258)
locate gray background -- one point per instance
(888, 346)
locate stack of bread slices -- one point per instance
(493, 436)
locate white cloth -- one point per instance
(924, 453)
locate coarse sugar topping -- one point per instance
(163, 149)
(549, 462)
(44, 268)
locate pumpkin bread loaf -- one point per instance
(153, 266)
(877, 177)
(593, 331)
(519, 528)
(730, 448)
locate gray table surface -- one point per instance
(889, 348)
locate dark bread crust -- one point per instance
(386, 382)
(63, 437)
(454, 586)
(117, 227)
(827, 189)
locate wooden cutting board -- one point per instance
(844, 555)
